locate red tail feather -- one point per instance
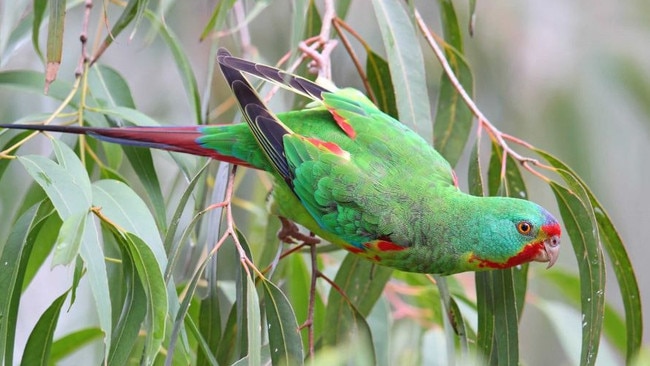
(179, 139)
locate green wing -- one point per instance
(345, 177)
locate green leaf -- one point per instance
(132, 8)
(70, 162)
(378, 74)
(405, 60)
(569, 285)
(298, 22)
(54, 40)
(284, 337)
(4, 163)
(125, 208)
(209, 325)
(485, 340)
(226, 351)
(14, 259)
(254, 323)
(453, 118)
(134, 310)
(72, 342)
(474, 173)
(39, 11)
(505, 317)
(39, 343)
(622, 265)
(362, 283)
(182, 63)
(453, 319)
(92, 253)
(584, 239)
(32, 81)
(60, 186)
(219, 16)
(69, 240)
(485, 335)
(150, 275)
(45, 239)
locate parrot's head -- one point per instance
(516, 232)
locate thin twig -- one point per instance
(309, 323)
(83, 37)
(338, 24)
(483, 122)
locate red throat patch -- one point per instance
(524, 256)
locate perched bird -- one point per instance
(358, 178)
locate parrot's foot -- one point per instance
(290, 234)
(320, 61)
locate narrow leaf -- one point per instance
(405, 60)
(133, 312)
(15, 256)
(39, 343)
(151, 277)
(69, 240)
(59, 185)
(378, 74)
(73, 342)
(586, 247)
(182, 63)
(284, 337)
(54, 40)
(39, 12)
(254, 323)
(621, 263)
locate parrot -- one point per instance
(355, 177)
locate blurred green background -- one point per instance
(572, 78)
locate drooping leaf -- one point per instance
(453, 118)
(584, 238)
(284, 337)
(69, 240)
(617, 253)
(405, 61)
(133, 312)
(39, 344)
(72, 342)
(54, 40)
(254, 323)
(14, 259)
(378, 74)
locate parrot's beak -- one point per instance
(551, 251)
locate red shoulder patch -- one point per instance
(383, 246)
(343, 124)
(329, 146)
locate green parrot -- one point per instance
(356, 177)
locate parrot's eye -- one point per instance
(524, 227)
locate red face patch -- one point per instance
(552, 229)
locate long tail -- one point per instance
(180, 139)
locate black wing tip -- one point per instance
(270, 73)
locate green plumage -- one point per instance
(358, 178)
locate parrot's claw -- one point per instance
(290, 234)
